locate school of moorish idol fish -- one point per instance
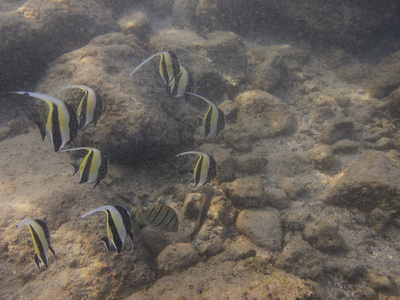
(62, 125)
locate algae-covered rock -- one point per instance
(247, 192)
(385, 76)
(39, 31)
(262, 115)
(140, 121)
(323, 236)
(337, 130)
(177, 257)
(278, 62)
(262, 227)
(229, 280)
(321, 157)
(371, 182)
(301, 259)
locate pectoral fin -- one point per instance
(106, 243)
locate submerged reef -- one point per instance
(301, 197)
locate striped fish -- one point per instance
(41, 240)
(181, 84)
(205, 169)
(169, 66)
(62, 121)
(90, 107)
(214, 119)
(160, 217)
(118, 226)
(94, 166)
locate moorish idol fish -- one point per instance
(181, 84)
(205, 169)
(205, 206)
(214, 119)
(118, 226)
(159, 216)
(94, 166)
(62, 121)
(90, 107)
(41, 240)
(169, 66)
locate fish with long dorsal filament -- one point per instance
(41, 240)
(90, 107)
(93, 168)
(169, 66)
(62, 120)
(213, 120)
(205, 169)
(118, 226)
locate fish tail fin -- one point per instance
(54, 254)
(76, 168)
(106, 243)
(97, 182)
(37, 261)
(42, 129)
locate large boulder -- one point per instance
(36, 33)
(261, 115)
(262, 227)
(373, 181)
(139, 121)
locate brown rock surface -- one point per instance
(371, 182)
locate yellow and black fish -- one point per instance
(94, 166)
(160, 217)
(62, 121)
(118, 226)
(214, 119)
(205, 169)
(41, 240)
(181, 84)
(90, 107)
(169, 66)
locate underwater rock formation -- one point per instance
(36, 33)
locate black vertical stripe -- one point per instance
(164, 74)
(221, 121)
(212, 169)
(163, 219)
(86, 170)
(73, 122)
(82, 117)
(151, 211)
(207, 122)
(169, 222)
(175, 227)
(159, 210)
(36, 240)
(115, 235)
(55, 129)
